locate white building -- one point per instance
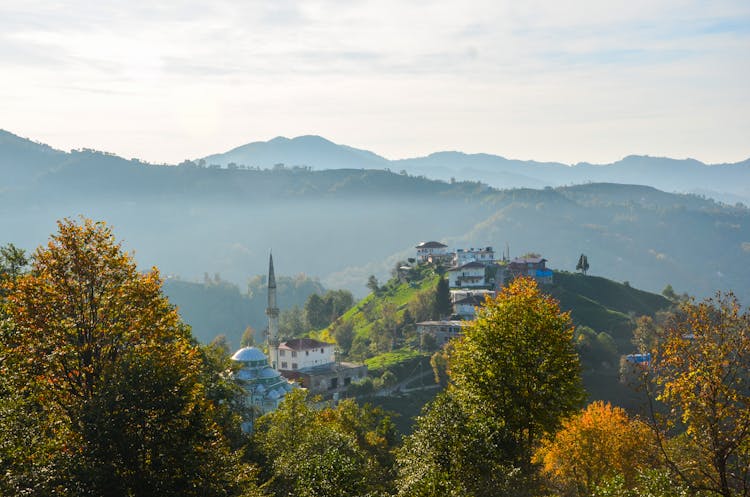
(469, 275)
(484, 255)
(313, 365)
(302, 353)
(427, 249)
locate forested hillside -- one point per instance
(217, 307)
(343, 225)
(381, 329)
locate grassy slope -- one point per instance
(599, 303)
(605, 305)
(393, 292)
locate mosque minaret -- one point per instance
(272, 311)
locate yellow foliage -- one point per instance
(702, 366)
(598, 443)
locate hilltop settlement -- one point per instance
(472, 274)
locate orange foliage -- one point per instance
(598, 443)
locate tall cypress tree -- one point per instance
(443, 305)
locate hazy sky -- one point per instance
(546, 80)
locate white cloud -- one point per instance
(546, 80)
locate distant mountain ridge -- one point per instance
(343, 225)
(309, 150)
(728, 183)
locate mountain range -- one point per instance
(729, 183)
(342, 225)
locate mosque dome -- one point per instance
(249, 354)
(268, 373)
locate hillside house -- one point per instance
(484, 255)
(426, 251)
(532, 267)
(313, 364)
(443, 330)
(470, 275)
(632, 367)
(302, 353)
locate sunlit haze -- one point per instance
(558, 81)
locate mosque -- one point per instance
(304, 362)
(265, 386)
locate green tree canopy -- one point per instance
(336, 451)
(512, 378)
(583, 264)
(12, 261)
(453, 452)
(517, 364)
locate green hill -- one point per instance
(602, 304)
(605, 305)
(395, 293)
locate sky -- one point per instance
(544, 80)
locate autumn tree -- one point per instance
(517, 364)
(593, 446)
(701, 369)
(645, 334)
(439, 363)
(248, 337)
(94, 346)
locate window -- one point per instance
(282, 353)
(294, 365)
(283, 365)
(307, 352)
(294, 353)
(321, 351)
